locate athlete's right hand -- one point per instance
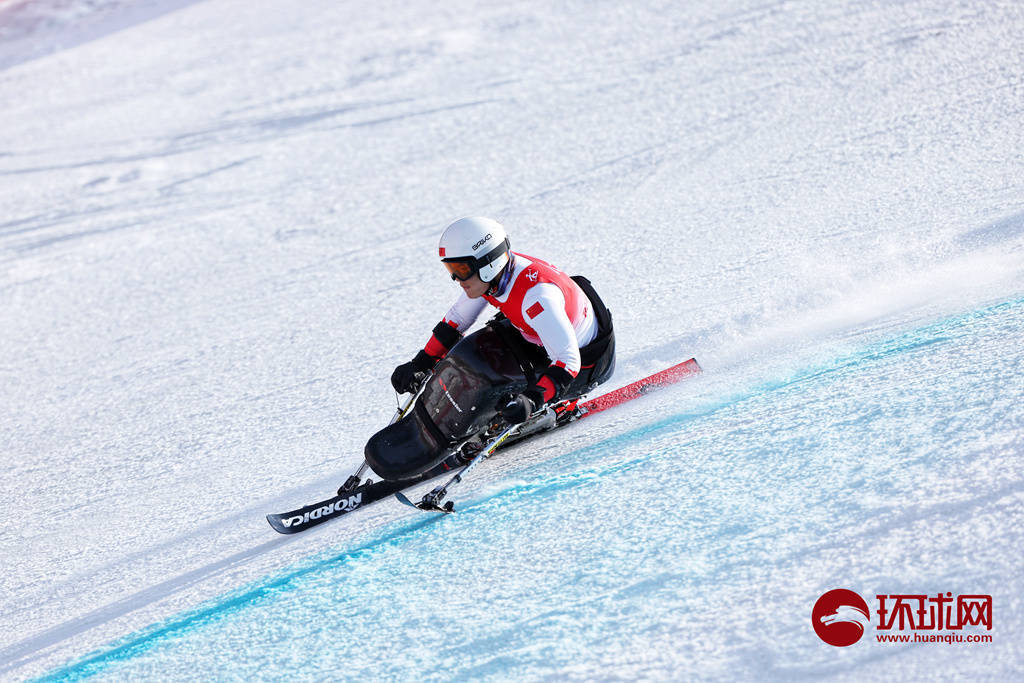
(407, 377)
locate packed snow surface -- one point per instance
(217, 238)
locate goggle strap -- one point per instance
(493, 254)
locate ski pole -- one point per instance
(432, 500)
(403, 408)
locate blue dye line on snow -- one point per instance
(139, 643)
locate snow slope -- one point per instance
(217, 236)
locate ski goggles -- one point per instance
(464, 267)
(461, 270)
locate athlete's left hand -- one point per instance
(518, 408)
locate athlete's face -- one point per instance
(474, 287)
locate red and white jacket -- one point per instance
(544, 304)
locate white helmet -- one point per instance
(474, 245)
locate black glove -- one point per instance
(519, 407)
(407, 377)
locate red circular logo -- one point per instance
(840, 617)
